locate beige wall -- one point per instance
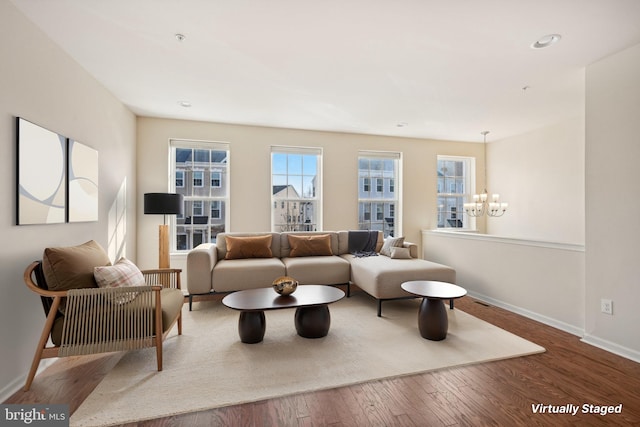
(541, 175)
(251, 180)
(42, 84)
(540, 280)
(613, 232)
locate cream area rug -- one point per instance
(208, 367)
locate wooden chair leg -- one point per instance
(44, 337)
(180, 323)
(159, 331)
(159, 351)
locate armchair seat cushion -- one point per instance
(171, 301)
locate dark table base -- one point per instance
(310, 322)
(313, 322)
(433, 321)
(251, 326)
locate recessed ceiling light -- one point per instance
(546, 41)
(180, 37)
(185, 104)
(402, 124)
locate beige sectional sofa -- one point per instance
(240, 261)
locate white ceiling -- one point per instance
(449, 69)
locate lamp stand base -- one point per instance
(163, 243)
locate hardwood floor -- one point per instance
(500, 393)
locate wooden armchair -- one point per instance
(99, 320)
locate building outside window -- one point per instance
(366, 184)
(215, 209)
(193, 163)
(456, 183)
(216, 179)
(380, 184)
(198, 178)
(295, 182)
(382, 169)
(197, 207)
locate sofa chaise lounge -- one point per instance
(240, 261)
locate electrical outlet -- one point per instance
(606, 306)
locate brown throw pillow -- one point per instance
(316, 245)
(72, 267)
(248, 247)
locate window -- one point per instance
(197, 207)
(366, 211)
(379, 211)
(378, 208)
(215, 210)
(455, 184)
(205, 207)
(366, 184)
(295, 182)
(216, 179)
(198, 178)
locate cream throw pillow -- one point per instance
(391, 242)
(400, 253)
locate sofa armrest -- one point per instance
(413, 249)
(200, 263)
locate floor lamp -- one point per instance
(163, 204)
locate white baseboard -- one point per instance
(612, 347)
(574, 330)
(17, 384)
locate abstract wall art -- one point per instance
(83, 182)
(41, 175)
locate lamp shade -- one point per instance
(163, 203)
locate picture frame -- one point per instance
(82, 179)
(41, 175)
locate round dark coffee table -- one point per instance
(312, 318)
(433, 321)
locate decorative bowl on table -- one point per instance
(285, 285)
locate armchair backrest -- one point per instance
(40, 281)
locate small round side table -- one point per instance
(433, 321)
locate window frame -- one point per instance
(221, 195)
(457, 212)
(294, 219)
(369, 206)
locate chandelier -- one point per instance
(481, 203)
